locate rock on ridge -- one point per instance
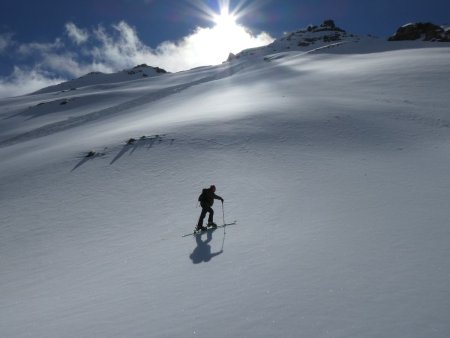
(309, 38)
(425, 31)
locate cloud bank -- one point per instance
(111, 49)
(5, 42)
(26, 80)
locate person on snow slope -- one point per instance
(206, 200)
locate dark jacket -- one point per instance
(207, 198)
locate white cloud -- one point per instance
(106, 51)
(54, 58)
(37, 48)
(24, 81)
(121, 50)
(78, 35)
(205, 46)
(65, 64)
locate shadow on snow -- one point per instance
(202, 253)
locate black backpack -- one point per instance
(202, 198)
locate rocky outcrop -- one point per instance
(327, 25)
(231, 57)
(421, 31)
(142, 68)
(326, 32)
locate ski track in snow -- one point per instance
(118, 109)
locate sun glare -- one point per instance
(225, 20)
(227, 34)
(227, 29)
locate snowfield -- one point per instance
(334, 162)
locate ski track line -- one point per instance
(111, 111)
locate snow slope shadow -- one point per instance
(202, 253)
(122, 152)
(79, 164)
(133, 144)
(89, 157)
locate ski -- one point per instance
(209, 229)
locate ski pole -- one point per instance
(223, 240)
(224, 232)
(223, 214)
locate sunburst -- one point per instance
(225, 19)
(226, 34)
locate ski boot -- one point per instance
(212, 225)
(200, 228)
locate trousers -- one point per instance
(206, 210)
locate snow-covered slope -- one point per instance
(333, 161)
(98, 78)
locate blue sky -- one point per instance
(52, 40)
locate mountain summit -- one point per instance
(309, 38)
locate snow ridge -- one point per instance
(98, 78)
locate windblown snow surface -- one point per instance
(334, 162)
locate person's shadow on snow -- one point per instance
(202, 253)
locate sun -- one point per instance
(225, 20)
(227, 30)
(232, 36)
(226, 34)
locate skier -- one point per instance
(206, 200)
